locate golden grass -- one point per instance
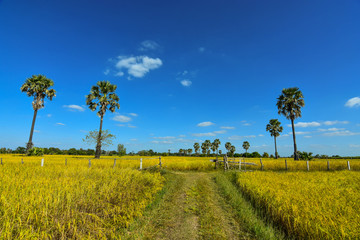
(308, 205)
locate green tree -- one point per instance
(37, 87)
(246, 146)
(228, 146)
(265, 155)
(232, 150)
(207, 146)
(275, 128)
(103, 96)
(196, 147)
(289, 104)
(216, 143)
(121, 150)
(93, 137)
(189, 151)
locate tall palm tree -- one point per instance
(196, 147)
(203, 148)
(232, 150)
(217, 143)
(207, 146)
(103, 96)
(289, 104)
(228, 146)
(246, 146)
(213, 148)
(38, 87)
(275, 129)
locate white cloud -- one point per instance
(340, 133)
(237, 137)
(137, 66)
(306, 124)
(107, 71)
(300, 133)
(74, 107)
(60, 124)
(307, 136)
(133, 114)
(209, 134)
(220, 132)
(166, 137)
(353, 102)
(131, 126)
(121, 118)
(229, 128)
(354, 145)
(182, 136)
(37, 131)
(133, 139)
(148, 45)
(49, 115)
(164, 142)
(186, 83)
(261, 135)
(201, 49)
(330, 129)
(329, 123)
(205, 124)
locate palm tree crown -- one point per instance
(274, 127)
(290, 103)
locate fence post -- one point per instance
(160, 164)
(307, 165)
(1, 162)
(262, 167)
(42, 162)
(240, 164)
(65, 161)
(286, 167)
(328, 165)
(244, 165)
(348, 165)
(140, 163)
(22, 161)
(114, 162)
(89, 163)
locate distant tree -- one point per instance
(228, 146)
(207, 146)
(151, 152)
(168, 152)
(196, 147)
(34, 151)
(232, 150)
(106, 138)
(37, 87)
(203, 148)
(289, 104)
(265, 155)
(246, 146)
(181, 151)
(306, 155)
(220, 152)
(103, 96)
(121, 150)
(275, 128)
(189, 151)
(213, 148)
(216, 144)
(255, 155)
(20, 150)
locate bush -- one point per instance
(36, 152)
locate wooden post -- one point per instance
(216, 162)
(286, 167)
(240, 164)
(307, 165)
(89, 163)
(262, 166)
(244, 165)
(160, 164)
(1, 162)
(348, 165)
(42, 162)
(65, 161)
(225, 162)
(114, 162)
(140, 163)
(328, 165)
(22, 161)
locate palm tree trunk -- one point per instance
(276, 153)
(295, 148)
(98, 145)
(29, 145)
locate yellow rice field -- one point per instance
(70, 202)
(308, 205)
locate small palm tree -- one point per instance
(207, 146)
(38, 87)
(196, 147)
(246, 146)
(189, 151)
(232, 150)
(217, 143)
(289, 104)
(275, 129)
(228, 146)
(103, 96)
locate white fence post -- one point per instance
(140, 163)
(89, 163)
(328, 165)
(307, 165)
(348, 165)
(42, 162)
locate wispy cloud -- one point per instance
(261, 135)
(329, 123)
(205, 124)
(237, 137)
(162, 142)
(353, 102)
(307, 136)
(166, 137)
(148, 45)
(60, 124)
(137, 66)
(49, 115)
(121, 118)
(186, 83)
(226, 127)
(106, 72)
(354, 145)
(201, 49)
(209, 134)
(220, 132)
(340, 133)
(133, 114)
(37, 131)
(306, 124)
(74, 107)
(126, 125)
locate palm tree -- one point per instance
(275, 129)
(246, 146)
(181, 151)
(217, 143)
(207, 146)
(228, 146)
(203, 148)
(232, 150)
(103, 96)
(196, 147)
(189, 151)
(38, 87)
(213, 148)
(289, 104)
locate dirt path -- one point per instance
(191, 208)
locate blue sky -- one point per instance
(186, 71)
